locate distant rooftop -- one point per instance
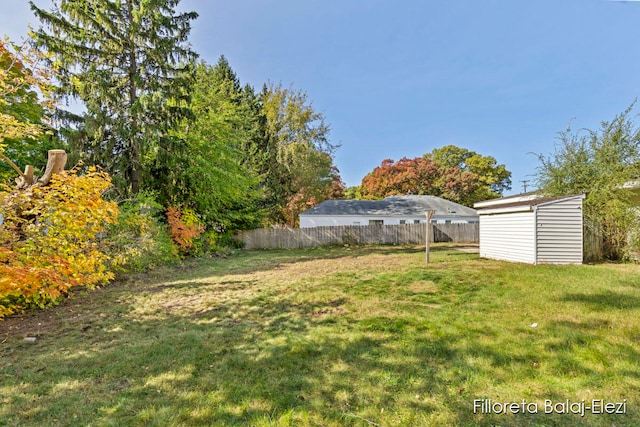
(392, 206)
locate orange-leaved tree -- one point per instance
(49, 239)
(184, 226)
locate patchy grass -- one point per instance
(343, 336)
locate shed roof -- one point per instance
(522, 205)
(392, 206)
(531, 195)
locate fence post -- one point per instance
(428, 214)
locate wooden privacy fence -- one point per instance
(403, 234)
(593, 242)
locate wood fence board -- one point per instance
(403, 234)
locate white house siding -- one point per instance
(559, 232)
(307, 221)
(509, 237)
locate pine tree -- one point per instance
(129, 63)
(225, 79)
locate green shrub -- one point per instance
(140, 240)
(229, 240)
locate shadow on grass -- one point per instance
(260, 361)
(605, 300)
(261, 260)
(193, 273)
(274, 360)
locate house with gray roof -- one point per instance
(408, 209)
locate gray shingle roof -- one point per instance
(391, 206)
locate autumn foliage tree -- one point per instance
(49, 239)
(490, 179)
(26, 102)
(300, 171)
(420, 176)
(316, 180)
(184, 226)
(459, 175)
(415, 176)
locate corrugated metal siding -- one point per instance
(509, 237)
(559, 232)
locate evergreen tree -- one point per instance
(225, 79)
(128, 62)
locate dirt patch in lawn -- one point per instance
(78, 312)
(211, 292)
(151, 294)
(379, 263)
(468, 249)
(424, 286)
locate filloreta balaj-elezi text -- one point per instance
(581, 407)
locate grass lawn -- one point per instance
(331, 337)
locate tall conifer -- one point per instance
(128, 61)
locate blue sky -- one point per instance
(399, 78)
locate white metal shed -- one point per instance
(532, 229)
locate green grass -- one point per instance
(330, 337)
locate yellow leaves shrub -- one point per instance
(49, 239)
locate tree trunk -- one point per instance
(55, 164)
(26, 179)
(56, 161)
(134, 146)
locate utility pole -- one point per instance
(524, 184)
